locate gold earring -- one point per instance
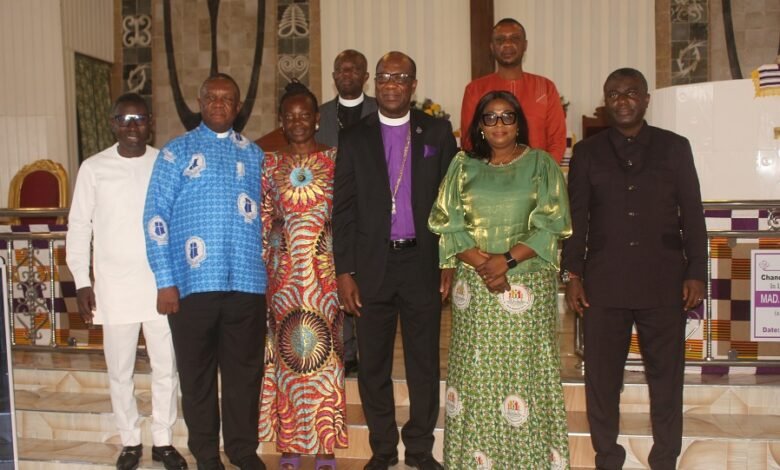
(317, 126)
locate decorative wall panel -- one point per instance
(689, 41)
(236, 31)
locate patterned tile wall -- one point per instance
(293, 43)
(689, 41)
(136, 39)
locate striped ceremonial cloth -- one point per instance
(767, 80)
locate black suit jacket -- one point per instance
(328, 133)
(639, 227)
(361, 197)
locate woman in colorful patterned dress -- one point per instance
(303, 407)
(501, 210)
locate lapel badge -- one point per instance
(419, 130)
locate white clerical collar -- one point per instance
(222, 135)
(351, 103)
(394, 121)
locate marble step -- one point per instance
(44, 454)
(751, 395)
(87, 418)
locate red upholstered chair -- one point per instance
(42, 184)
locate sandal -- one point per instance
(324, 464)
(292, 462)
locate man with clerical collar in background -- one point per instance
(204, 245)
(388, 171)
(638, 256)
(537, 95)
(350, 73)
(107, 212)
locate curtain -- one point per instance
(93, 105)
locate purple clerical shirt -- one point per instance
(394, 140)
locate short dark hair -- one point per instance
(414, 65)
(628, 72)
(509, 21)
(296, 88)
(481, 148)
(220, 76)
(349, 53)
(130, 98)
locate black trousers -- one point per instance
(222, 331)
(662, 343)
(350, 339)
(402, 294)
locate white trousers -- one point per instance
(120, 343)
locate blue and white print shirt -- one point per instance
(202, 222)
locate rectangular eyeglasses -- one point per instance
(491, 119)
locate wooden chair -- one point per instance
(594, 125)
(40, 184)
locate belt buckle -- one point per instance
(402, 243)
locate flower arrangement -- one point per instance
(430, 108)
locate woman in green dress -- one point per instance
(500, 212)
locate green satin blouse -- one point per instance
(496, 207)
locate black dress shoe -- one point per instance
(170, 457)
(381, 462)
(350, 368)
(214, 464)
(251, 462)
(422, 462)
(129, 458)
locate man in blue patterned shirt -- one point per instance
(203, 244)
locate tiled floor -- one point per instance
(730, 421)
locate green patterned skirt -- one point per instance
(504, 399)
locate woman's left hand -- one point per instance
(492, 268)
(498, 285)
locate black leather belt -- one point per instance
(403, 243)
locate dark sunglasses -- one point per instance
(124, 120)
(491, 119)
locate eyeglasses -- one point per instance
(507, 117)
(399, 78)
(124, 120)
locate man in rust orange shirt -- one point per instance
(537, 95)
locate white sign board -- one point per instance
(765, 295)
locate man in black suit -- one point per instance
(388, 171)
(350, 73)
(637, 257)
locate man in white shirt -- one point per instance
(107, 209)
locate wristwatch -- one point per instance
(567, 276)
(510, 262)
